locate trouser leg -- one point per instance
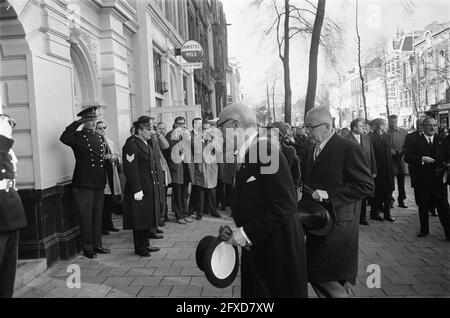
(331, 289)
(228, 194)
(140, 238)
(220, 194)
(401, 188)
(362, 217)
(425, 202)
(108, 207)
(184, 199)
(210, 200)
(164, 209)
(9, 245)
(443, 209)
(387, 205)
(177, 200)
(84, 199)
(201, 201)
(97, 213)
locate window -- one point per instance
(158, 102)
(157, 67)
(185, 91)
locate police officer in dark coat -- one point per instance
(89, 178)
(264, 208)
(336, 170)
(384, 181)
(12, 215)
(141, 194)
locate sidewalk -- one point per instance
(410, 267)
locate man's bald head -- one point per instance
(240, 113)
(319, 115)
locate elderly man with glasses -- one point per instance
(12, 215)
(336, 171)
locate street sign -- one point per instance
(192, 66)
(192, 52)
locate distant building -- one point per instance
(233, 84)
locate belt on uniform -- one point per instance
(7, 184)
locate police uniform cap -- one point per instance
(143, 121)
(89, 112)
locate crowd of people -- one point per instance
(344, 171)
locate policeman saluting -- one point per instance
(12, 215)
(89, 178)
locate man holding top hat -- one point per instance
(337, 173)
(141, 194)
(264, 209)
(89, 178)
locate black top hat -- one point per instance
(219, 260)
(88, 112)
(317, 218)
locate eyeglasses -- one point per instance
(310, 127)
(101, 128)
(11, 121)
(225, 121)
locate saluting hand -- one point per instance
(428, 160)
(5, 127)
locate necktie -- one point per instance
(316, 152)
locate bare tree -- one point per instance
(361, 75)
(313, 56)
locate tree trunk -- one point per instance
(273, 100)
(287, 75)
(268, 102)
(313, 57)
(361, 76)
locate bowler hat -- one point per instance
(317, 218)
(217, 259)
(143, 121)
(88, 112)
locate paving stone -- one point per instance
(141, 271)
(167, 271)
(430, 290)
(146, 281)
(176, 281)
(186, 291)
(118, 281)
(156, 291)
(124, 292)
(399, 290)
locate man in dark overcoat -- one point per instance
(141, 194)
(384, 181)
(357, 136)
(429, 155)
(89, 178)
(336, 170)
(264, 209)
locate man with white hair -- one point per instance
(264, 209)
(336, 171)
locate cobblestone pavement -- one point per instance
(410, 267)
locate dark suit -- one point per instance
(265, 205)
(88, 182)
(428, 179)
(366, 144)
(141, 173)
(384, 182)
(12, 218)
(341, 169)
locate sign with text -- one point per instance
(192, 66)
(192, 52)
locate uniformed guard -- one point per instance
(141, 195)
(89, 178)
(12, 215)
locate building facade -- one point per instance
(59, 56)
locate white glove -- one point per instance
(5, 127)
(139, 196)
(320, 195)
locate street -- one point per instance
(410, 267)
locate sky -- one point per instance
(258, 56)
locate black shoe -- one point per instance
(364, 223)
(181, 221)
(402, 205)
(223, 208)
(188, 220)
(389, 218)
(105, 232)
(102, 250)
(89, 254)
(113, 229)
(159, 231)
(142, 253)
(376, 217)
(422, 234)
(153, 249)
(155, 236)
(198, 217)
(166, 219)
(433, 213)
(216, 215)
(162, 224)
